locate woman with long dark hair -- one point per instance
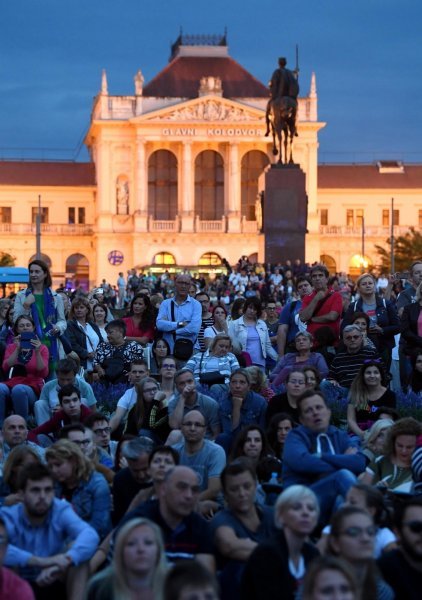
(251, 443)
(140, 324)
(44, 306)
(278, 428)
(149, 416)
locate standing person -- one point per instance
(180, 319)
(121, 291)
(29, 360)
(272, 323)
(249, 334)
(287, 327)
(138, 568)
(402, 567)
(44, 306)
(407, 296)
(84, 335)
(207, 319)
(383, 318)
(280, 563)
(140, 324)
(410, 324)
(323, 307)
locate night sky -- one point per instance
(366, 54)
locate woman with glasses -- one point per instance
(303, 357)
(352, 538)
(149, 416)
(167, 373)
(368, 393)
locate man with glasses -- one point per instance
(402, 567)
(99, 424)
(323, 307)
(180, 317)
(272, 323)
(207, 319)
(206, 458)
(287, 326)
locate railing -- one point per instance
(210, 225)
(24, 228)
(163, 225)
(357, 231)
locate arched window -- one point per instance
(209, 186)
(77, 270)
(329, 262)
(359, 264)
(210, 259)
(163, 258)
(162, 186)
(43, 257)
(253, 164)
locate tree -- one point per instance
(407, 249)
(7, 260)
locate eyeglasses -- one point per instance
(81, 442)
(193, 424)
(355, 532)
(150, 390)
(414, 526)
(352, 337)
(102, 430)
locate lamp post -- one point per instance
(38, 229)
(392, 237)
(362, 262)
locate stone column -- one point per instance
(106, 188)
(141, 203)
(188, 198)
(233, 222)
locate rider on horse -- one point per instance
(283, 84)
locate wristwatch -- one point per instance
(180, 324)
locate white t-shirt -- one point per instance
(128, 399)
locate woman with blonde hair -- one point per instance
(374, 438)
(280, 563)
(80, 484)
(138, 568)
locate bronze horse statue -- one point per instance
(283, 125)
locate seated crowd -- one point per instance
(183, 450)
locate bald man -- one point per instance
(14, 433)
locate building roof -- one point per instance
(47, 173)
(181, 78)
(368, 176)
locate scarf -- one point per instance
(44, 323)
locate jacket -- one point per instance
(409, 327)
(387, 319)
(238, 332)
(77, 338)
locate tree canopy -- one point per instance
(7, 260)
(407, 249)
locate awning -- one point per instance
(14, 275)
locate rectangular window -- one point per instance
(81, 215)
(5, 214)
(420, 218)
(71, 215)
(323, 216)
(349, 217)
(359, 217)
(385, 217)
(396, 217)
(44, 214)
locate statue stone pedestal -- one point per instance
(284, 214)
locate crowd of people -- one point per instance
(246, 437)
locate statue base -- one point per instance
(285, 213)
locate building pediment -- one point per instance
(205, 109)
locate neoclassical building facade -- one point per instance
(175, 173)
